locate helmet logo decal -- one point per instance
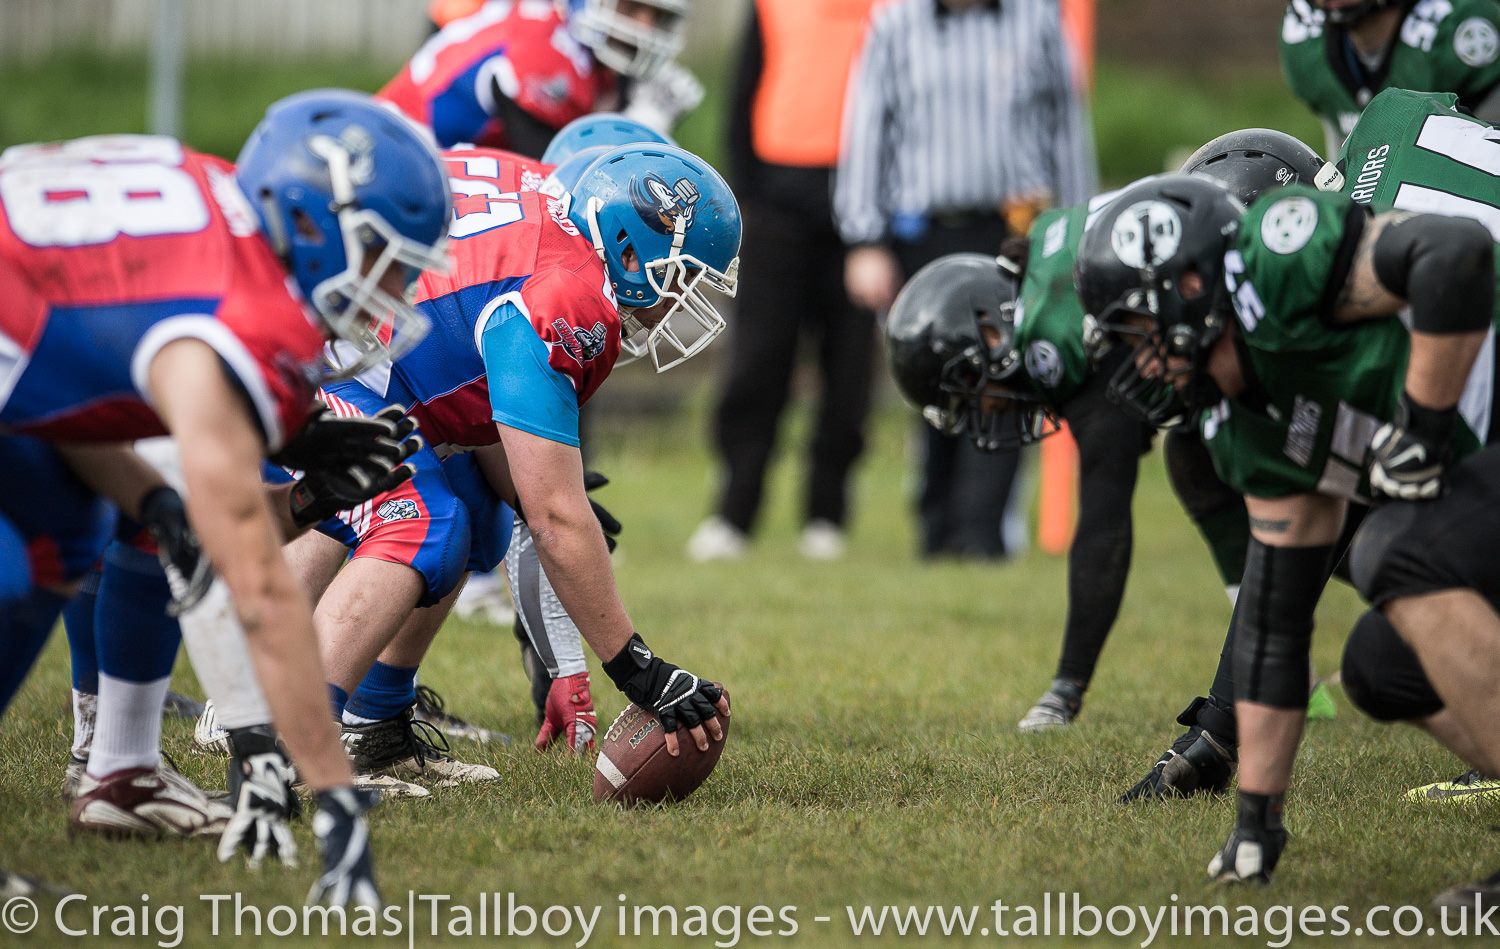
(1044, 363)
(661, 206)
(357, 144)
(1285, 175)
(1289, 225)
(1146, 234)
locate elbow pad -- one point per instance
(1444, 267)
(1273, 636)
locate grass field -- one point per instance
(873, 758)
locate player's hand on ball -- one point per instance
(569, 716)
(678, 698)
(344, 843)
(260, 785)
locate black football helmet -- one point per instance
(1350, 13)
(1131, 265)
(950, 339)
(1250, 162)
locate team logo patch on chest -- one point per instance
(661, 205)
(1476, 42)
(398, 509)
(1289, 225)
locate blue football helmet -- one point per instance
(561, 179)
(624, 43)
(345, 190)
(664, 223)
(607, 129)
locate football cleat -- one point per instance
(1055, 709)
(1471, 787)
(1481, 896)
(146, 802)
(432, 709)
(73, 776)
(209, 736)
(177, 705)
(822, 540)
(1197, 763)
(406, 747)
(717, 539)
(1320, 704)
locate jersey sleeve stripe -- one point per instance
(230, 349)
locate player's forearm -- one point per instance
(1437, 368)
(113, 471)
(571, 548)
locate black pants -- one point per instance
(792, 280)
(963, 492)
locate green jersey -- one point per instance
(1316, 391)
(1411, 151)
(1049, 318)
(1442, 46)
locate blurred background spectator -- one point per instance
(783, 131)
(961, 124)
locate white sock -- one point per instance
(127, 733)
(85, 712)
(216, 645)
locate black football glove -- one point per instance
(1407, 456)
(1254, 846)
(607, 521)
(677, 697)
(189, 574)
(327, 439)
(357, 474)
(344, 843)
(260, 786)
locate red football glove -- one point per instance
(570, 715)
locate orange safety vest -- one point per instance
(809, 48)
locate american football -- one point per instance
(633, 766)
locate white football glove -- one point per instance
(665, 98)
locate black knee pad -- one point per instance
(1381, 675)
(1274, 622)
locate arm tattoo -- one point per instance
(1267, 525)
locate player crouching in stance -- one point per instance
(1280, 326)
(525, 330)
(151, 290)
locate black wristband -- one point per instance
(1260, 811)
(635, 657)
(1434, 426)
(150, 504)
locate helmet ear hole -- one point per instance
(307, 229)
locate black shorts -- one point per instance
(1408, 548)
(1382, 676)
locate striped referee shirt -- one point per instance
(957, 110)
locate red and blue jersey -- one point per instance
(521, 48)
(111, 248)
(525, 327)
